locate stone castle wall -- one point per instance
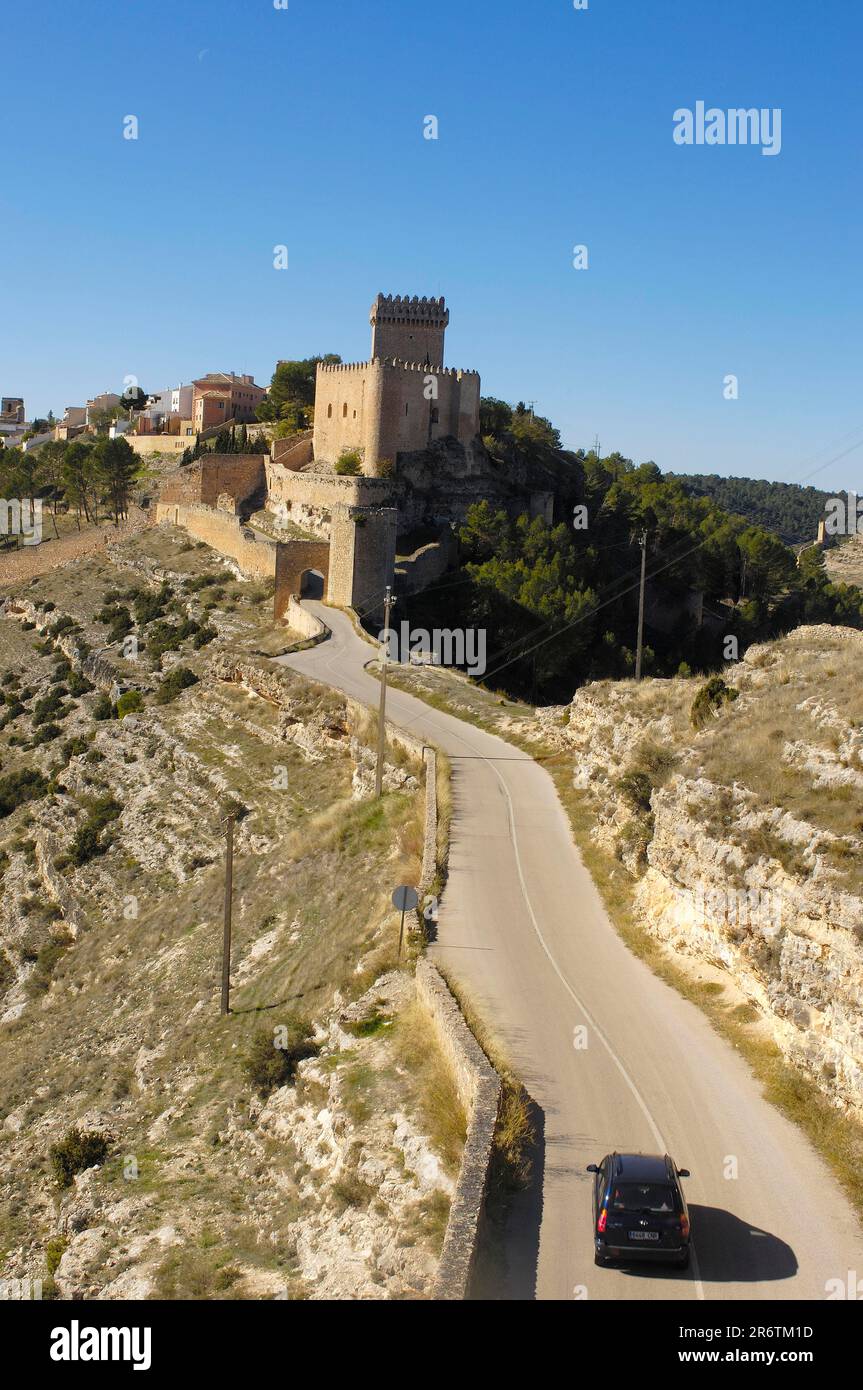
(239, 476)
(382, 409)
(253, 553)
(308, 499)
(293, 559)
(363, 552)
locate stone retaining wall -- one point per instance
(479, 1090)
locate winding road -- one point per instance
(523, 930)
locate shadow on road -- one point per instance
(729, 1251)
(508, 1251)
(735, 1251)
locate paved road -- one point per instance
(522, 928)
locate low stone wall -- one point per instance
(479, 1090)
(300, 620)
(429, 868)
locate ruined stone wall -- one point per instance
(254, 554)
(309, 498)
(238, 475)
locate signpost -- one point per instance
(404, 899)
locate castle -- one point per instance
(412, 426)
(403, 398)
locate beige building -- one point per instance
(223, 396)
(403, 398)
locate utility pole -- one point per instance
(643, 543)
(226, 936)
(382, 708)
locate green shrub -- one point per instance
(79, 684)
(76, 1151)
(102, 708)
(267, 1065)
(129, 702)
(51, 706)
(18, 787)
(636, 789)
(203, 636)
(710, 699)
(151, 604)
(48, 957)
(176, 681)
(349, 464)
(89, 841)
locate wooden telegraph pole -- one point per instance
(226, 935)
(382, 708)
(643, 544)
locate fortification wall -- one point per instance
(294, 452)
(309, 498)
(363, 551)
(254, 554)
(238, 475)
(384, 408)
(293, 558)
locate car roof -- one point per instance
(642, 1167)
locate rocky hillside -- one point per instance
(304, 1146)
(844, 562)
(745, 834)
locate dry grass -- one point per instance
(415, 1044)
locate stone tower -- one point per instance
(411, 330)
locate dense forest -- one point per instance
(559, 602)
(790, 510)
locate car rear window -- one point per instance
(647, 1196)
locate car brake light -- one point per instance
(600, 1225)
(684, 1225)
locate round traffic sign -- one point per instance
(404, 898)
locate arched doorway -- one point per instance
(311, 584)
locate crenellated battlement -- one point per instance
(404, 309)
(333, 368)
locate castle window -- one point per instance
(345, 411)
(329, 412)
(406, 407)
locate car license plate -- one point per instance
(644, 1235)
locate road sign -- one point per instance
(405, 899)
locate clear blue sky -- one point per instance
(304, 127)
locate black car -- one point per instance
(639, 1210)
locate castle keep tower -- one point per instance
(411, 330)
(404, 398)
